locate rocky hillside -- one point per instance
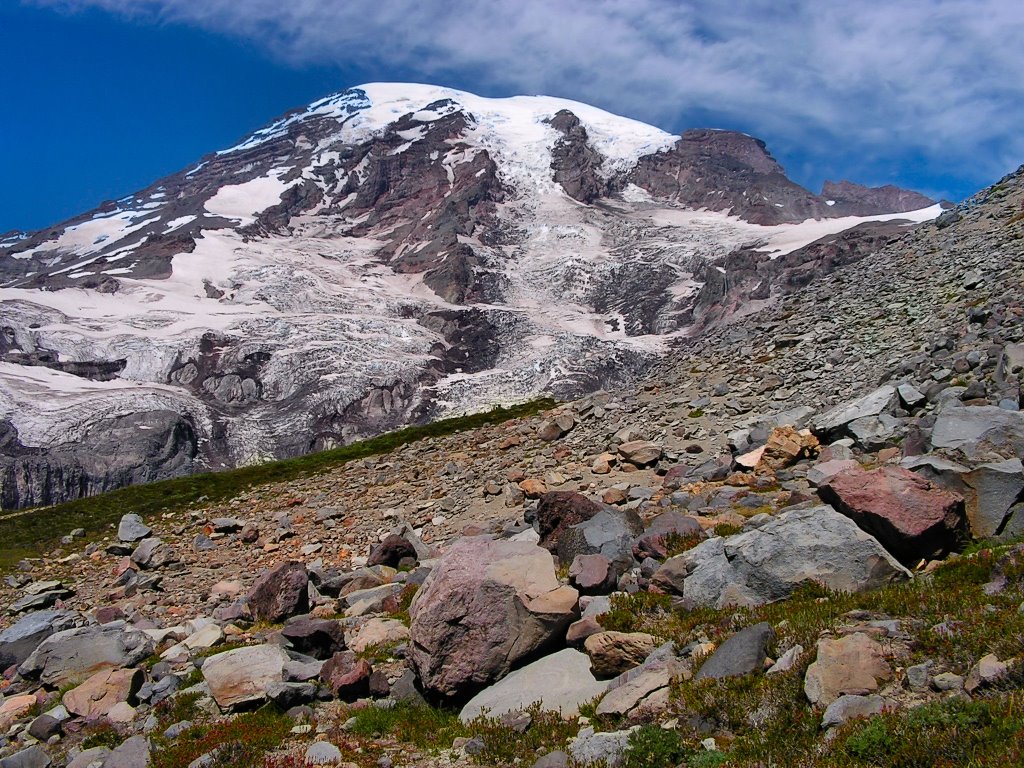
(797, 542)
(385, 256)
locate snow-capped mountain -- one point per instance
(385, 255)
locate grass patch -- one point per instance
(945, 734)
(181, 706)
(428, 728)
(677, 543)
(728, 529)
(102, 735)
(639, 612)
(507, 746)
(376, 653)
(241, 742)
(30, 533)
(405, 603)
(654, 747)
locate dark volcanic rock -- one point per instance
(855, 200)
(319, 638)
(280, 593)
(391, 551)
(725, 170)
(574, 161)
(741, 654)
(558, 511)
(348, 677)
(124, 450)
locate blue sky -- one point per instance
(104, 96)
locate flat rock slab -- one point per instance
(854, 664)
(132, 753)
(741, 654)
(33, 757)
(980, 432)
(379, 632)
(243, 675)
(631, 690)
(73, 655)
(19, 640)
(560, 682)
(851, 707)
(870, 404)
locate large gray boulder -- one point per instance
(19, 640)
(871, 404)
(765, 564)
(485, 606)
(986, 433)
(610, 533)
(132, 528)
(73, 655)
(990, 490)
(32, 757)
(560, 682)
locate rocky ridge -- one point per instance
(850, 435)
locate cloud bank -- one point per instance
(937, 80)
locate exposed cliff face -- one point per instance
(124, 450)
(386, 255)
(727, 171)
(849, 199)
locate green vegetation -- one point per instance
(427, 728)
(654, 747)
(434, 729)
(30, 533)
(728, 529)
(640, 612)
(504, 745)
(102, 735)
(241, 742)
(677, 543)
(945, 734)
(760, 720)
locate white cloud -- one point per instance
(938, 79)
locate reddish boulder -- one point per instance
(559, 510)
(484, 607)
(592, 574)
(910, 517)
(347, 676)
(280, 593)
(98, 695)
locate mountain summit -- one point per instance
(386, 255)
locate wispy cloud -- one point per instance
(942, 80)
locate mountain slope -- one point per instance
(386, 255)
